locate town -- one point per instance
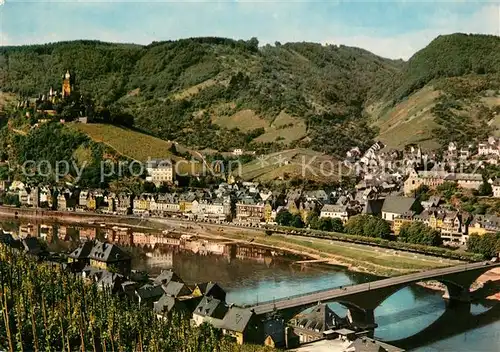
(397, 194)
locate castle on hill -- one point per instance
(54, 96)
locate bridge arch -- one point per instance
(362, 299)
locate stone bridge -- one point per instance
(362, 299)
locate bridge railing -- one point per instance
(297, 296)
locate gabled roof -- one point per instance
(334, 208)
(237, 319)
(373, 206)
(149, 291)
(365, 345)
(321, 318)
(398, 204)
(109, 279)
(164, 304)
(166, 276)
(176, 289)
(82, 252)
(208, 306)
(106, 252)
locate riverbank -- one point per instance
(355, 257)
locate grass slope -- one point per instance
(410, 121)
(127, 142)
(293, 163)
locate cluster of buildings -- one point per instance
(251, 204)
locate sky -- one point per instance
(394, 29)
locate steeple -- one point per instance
(66, 87)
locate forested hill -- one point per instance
(450, 56)
(197, 90)
(448, 91)
(220, 93)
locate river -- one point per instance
(256, 274)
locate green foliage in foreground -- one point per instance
(47, 309)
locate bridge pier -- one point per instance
(458, 294)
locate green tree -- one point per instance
(486, 244)
(284, 218)
(448, 189)
(297, 221)
(485, 189)
(422, 193)
(329, 224)
(418, 233)
(355, 226)
(369, 226)
(337, 225)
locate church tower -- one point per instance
(66, 88)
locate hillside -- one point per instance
(448, 91)
(221, 94)
(201, 91)
(289, 165)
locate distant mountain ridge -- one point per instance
(221, 94)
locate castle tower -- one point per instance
(66, 88)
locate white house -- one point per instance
(334, 211)
(496, 188)
(160, 171)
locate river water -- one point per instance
(255, 274)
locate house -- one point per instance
(142, 204)
(81, 256)
(167, 304)
(111, 282)
(110, 257)
(210, 289)
(335, 211)
(186, 202)
(306, 208)
(496, 188)
(250, 211)
(124, 204)
(242, 325)
(176, 289)
(166, 276)
(481, 224)
(311, 326)
(160, 171)
(432, 202)
(82, 198)
(399, 221)
(148, 294)
(209, 308)
(395, 206)
(164, 205)
(317, 195)
(434, 178)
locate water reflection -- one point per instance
(252, 274)
(407, 312)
